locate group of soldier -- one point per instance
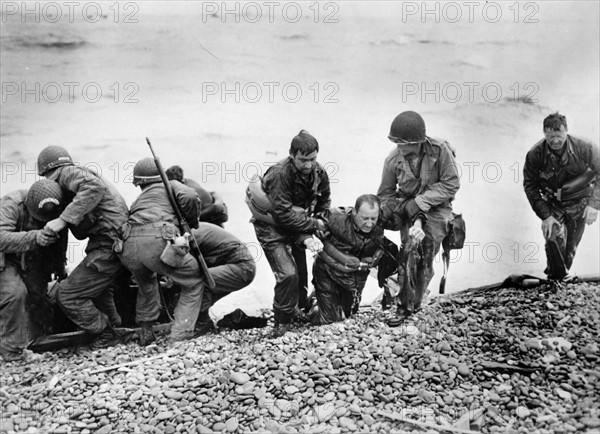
(291, 214)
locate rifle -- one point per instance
(185, 227)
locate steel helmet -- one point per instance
(408, 126)
(146, 172)
(45, 200)
(52, 157)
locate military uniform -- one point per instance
(431, 180)
(151, 224)
(338, 287)
(545, 172)
(96, 212)
(25, 270)
(287, 188)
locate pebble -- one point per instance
(335, 379)
(239, 378)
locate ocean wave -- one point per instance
(294, 37)
(49, 41)
(388, 42)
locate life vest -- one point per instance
(259, 203)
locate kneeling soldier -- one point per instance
(151, 227)
(29, 254)
(353, 246)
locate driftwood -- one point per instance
(133, 362)
(426, 424)
(72, 339)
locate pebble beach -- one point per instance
(509, 360)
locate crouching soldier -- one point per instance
(354, 245)
(95, 211)
(29, 254)
(213, 209)
(151, 227)
(230, 264)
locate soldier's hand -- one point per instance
(313, 244)
(322, 229)
(590, 214)
(416, 232)
(547, 225)
(56, 225)
(45, 238)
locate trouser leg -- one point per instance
(555, 247)
(285, 301)
(329, 302)
(105, 303)
(13, 313)
(228, 278)
(75, 295)
(299, 255)
(575, 229)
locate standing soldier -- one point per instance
(354, 246)
(562, 183)
(152, 226)
(29, 254)
(96, 211)
(297, 181)
(418, 184)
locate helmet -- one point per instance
(146, 172)
(52, 157)
(408, 126)
(45, 200)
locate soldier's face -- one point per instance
(366, 217)
(305, 162)
(556, 139)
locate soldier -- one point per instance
(213, 209)
(29, 254)
(297, 181)
(562, 183)
(151, 227)
(418, 184)
(354, 246)
(95, 211)
(230, 264)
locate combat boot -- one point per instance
(107, 338)
(146, 334)
(204, 324)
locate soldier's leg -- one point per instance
(575, 229)
(75, 295)
(285, 301)
(556, 245)
(408, 268)
(299, 255)
(329, 303)
(279, 255)
(13, 315)
(105, 303)
(428, 250)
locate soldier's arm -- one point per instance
(188, 201)
(283, 213)
(595, 166)
(87, 187)
(447, 185)
(12, 240)
(531, 185)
